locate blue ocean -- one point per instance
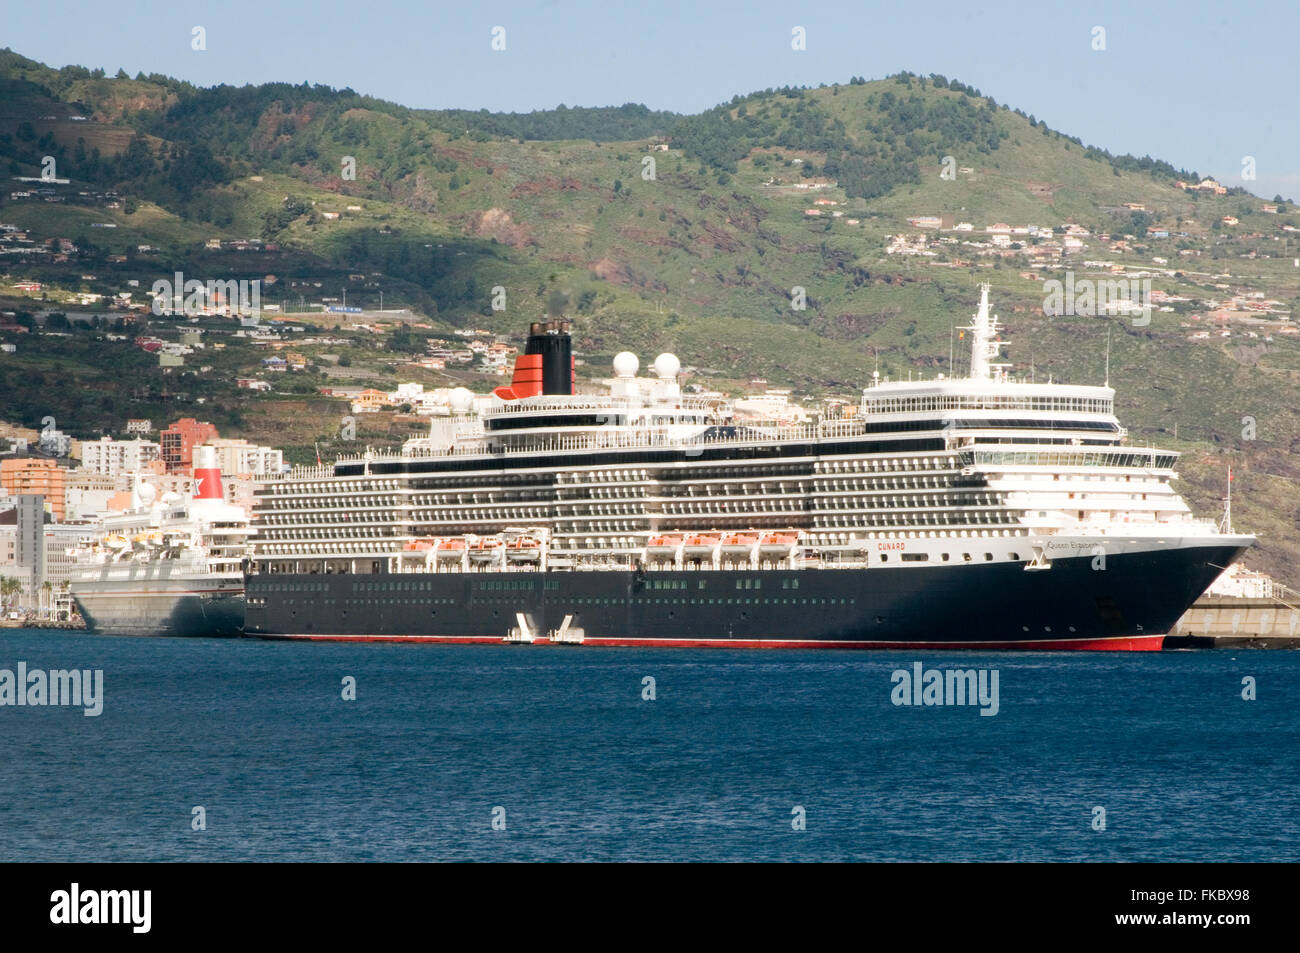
(531, 753)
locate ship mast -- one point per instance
(1225, 524)
(985, 348)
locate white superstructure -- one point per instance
(168, 565)
(951, 469)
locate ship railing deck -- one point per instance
(595, 402)
(989, 458)
(597, 440)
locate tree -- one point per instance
(9, 588)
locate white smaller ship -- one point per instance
(168, 566)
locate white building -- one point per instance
(55, 442)
(60, 540)
(112, 457)
(239, 456)
(408, 393)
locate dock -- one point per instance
(1243, 610)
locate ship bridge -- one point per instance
(988, 406)
(970, 411)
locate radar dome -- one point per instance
(667, 366)
(146, 492)
(626, 364)
(462, 399)
(171, 497)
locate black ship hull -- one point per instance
(1129, 605)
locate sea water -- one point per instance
(227, 750)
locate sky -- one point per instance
(1200, 84)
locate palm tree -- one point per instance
(9, 587)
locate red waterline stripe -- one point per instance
(440, 639)
(1143, 643)
(1148, 643)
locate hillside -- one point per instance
(698, 253)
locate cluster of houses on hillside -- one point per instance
(412, 395)
(483, 350)
(240, 244)
(822, 206)
(1034, 242)
(1205, 185)
(16, 241)
(41, 189)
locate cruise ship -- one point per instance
(979, 512)
(167, 566)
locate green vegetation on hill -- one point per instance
(600, 124)
(654, 232)
(868, 157)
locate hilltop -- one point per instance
(653, 231)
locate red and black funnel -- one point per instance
(546, 366)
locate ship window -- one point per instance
(988, 557)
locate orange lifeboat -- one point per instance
(739, 544)
(485, 550)
(524, 549)
(420, 545)
(701, 545)
(778, 545)
(451, 549)
(665, 546)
